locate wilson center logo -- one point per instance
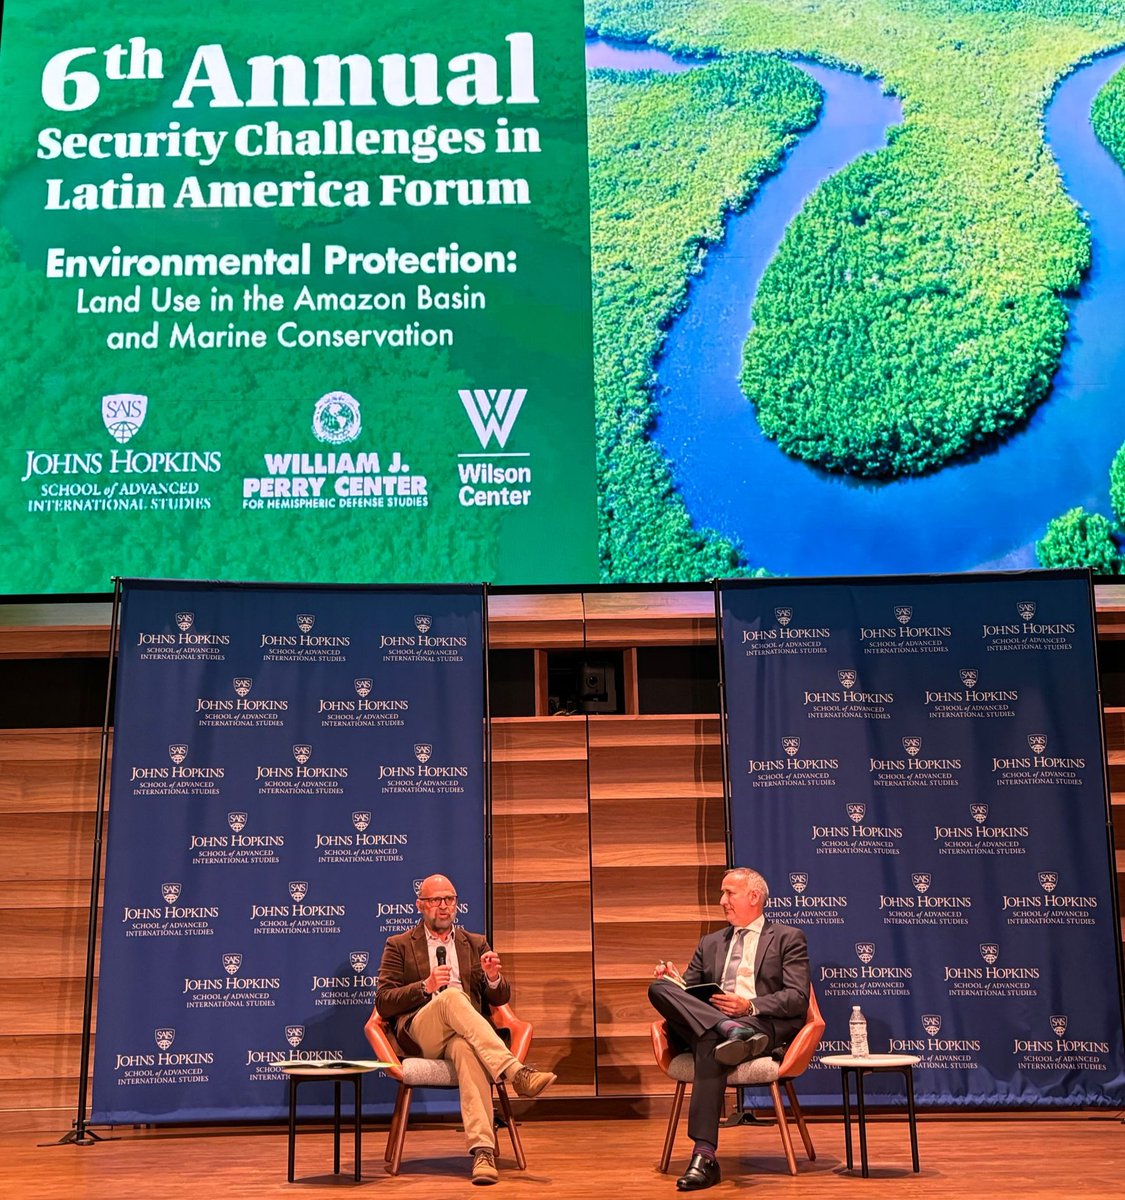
(493, 411)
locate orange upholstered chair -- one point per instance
(755, 1073)
(438, 1072)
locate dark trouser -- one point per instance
(695, 1023)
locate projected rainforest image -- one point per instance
(858, 270)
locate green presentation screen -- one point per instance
(294, 293)
(638, 291)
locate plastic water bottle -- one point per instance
(857, 1027)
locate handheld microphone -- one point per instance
(441, 963)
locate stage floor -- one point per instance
(1077, 1155)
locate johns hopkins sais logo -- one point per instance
(123, 414)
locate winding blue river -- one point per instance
(795, 519)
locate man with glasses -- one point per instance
(437, 985)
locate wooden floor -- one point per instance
(1026, 1156)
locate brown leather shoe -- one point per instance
(484, 1168)
(528, 1082)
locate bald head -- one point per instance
(437, 902)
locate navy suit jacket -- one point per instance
(781, 972)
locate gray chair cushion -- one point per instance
(747, 1074)
(428, 1072)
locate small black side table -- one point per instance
(849, 1064)
(306, 1074)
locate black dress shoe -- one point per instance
(743, 1044)
(703, 1172)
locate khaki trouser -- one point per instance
(448, 1026)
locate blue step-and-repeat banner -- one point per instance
(916, 766)
(288, 763)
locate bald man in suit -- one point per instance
(763, 970)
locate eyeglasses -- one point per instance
(439, 901)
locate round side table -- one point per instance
(850, 1065)
(300, 1073)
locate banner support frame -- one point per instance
(486, 734)
(724, 716)
(80, 1133)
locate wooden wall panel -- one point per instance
(55, 770)
(554, 991)
(666, 618)
(541, 889)
(43, 943)
(535, 847)
(626, 1067)
(658, 846)
(47, 845)
(530, 740)
(542, 916)
(654, 757)
(549, 620)
(673, 833)
(48, 1056)
(42, 1006)
(572, 1059)
(40, 1097)
(55, 641)
(48, 792)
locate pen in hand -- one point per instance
(670, 971)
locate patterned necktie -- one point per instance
(730, 975)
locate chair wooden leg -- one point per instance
(510, 1121)
(799, 1117)
(400, 1132)
(392, 1133)
(673, 1122)
(783, 1128)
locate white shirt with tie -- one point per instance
(744, 983)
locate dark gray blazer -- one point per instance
(781, 972)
